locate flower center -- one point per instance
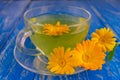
(86, 58)
(102, 40)
(62, 63)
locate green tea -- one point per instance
(46, 43)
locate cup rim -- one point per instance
(79, 8)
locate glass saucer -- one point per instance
(35, 63)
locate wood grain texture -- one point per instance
(11, 22)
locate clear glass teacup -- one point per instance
(77, 19)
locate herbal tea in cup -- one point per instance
(57, 27)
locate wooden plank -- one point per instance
(4, 4)
(11, 70)
(9, 20)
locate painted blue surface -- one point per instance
(11, 22)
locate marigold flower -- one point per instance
(61, 61)
(89, 55)
(105, 38)
(55, 30)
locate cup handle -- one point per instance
(20, 41)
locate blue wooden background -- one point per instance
(104, 13)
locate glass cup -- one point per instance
(76, 18)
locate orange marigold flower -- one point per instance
(105, 38)
(89, 55)
(61, 61)
(55, 30)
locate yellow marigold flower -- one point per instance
(55, 30)
(105, 38)
(61, 61)
(89, 55)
